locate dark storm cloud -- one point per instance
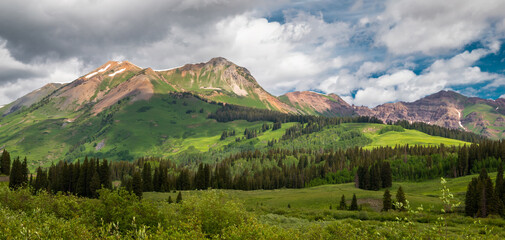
(13, 74)
(96, 30)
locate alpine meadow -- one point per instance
(323, 120)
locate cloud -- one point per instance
(432, 27)
(280, 56)
(95, 30)
(405, 85)
(367, 51)
(18, 79)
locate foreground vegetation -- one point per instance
(234, 214)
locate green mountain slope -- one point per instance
(120, 111)
(171, 125)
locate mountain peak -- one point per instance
(445, 95)
(219, 61)
(111, 68)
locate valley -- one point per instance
(285, 161)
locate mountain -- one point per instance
(221, 80)
(447, 109)
(307, 102)
(218, 80)
(30, 98)
(121, 111)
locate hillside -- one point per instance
(120, 111)
(174, 126)
(318, 104)
(447, 109)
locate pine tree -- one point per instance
(31, 180)
(40, 181)
(157, 180)
(471, 200)
(486, 198)
(147, 178)
(5, 163)
(170, 200)
(387, 203)
(105, 175)
(499, 184)
(400, 198)
(137, 184)
(386, 175)
(375, 177)
(17, 174)
(94, 185)
(200, 177)
(207, 174)
(82, 184)
(179, 197)
(343, 205)
(277, 125)
(354, 203)
(224, 135)
(24, 171)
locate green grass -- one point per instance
(242, 101)
(411, 137)
(480, 108)
(489, 115)
(320, 198)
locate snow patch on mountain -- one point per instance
(91, 75)
(104, 69)
(168, 69)
(114, 73)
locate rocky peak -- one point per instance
(219, 61)
(309, 102)
(449, 98)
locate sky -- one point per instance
(368, 52)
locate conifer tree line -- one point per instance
(271, 169)
(231, 112)
(82, 179)
(369, 169)
(483, 198)
(378, 175)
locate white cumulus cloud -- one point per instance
(434, 26)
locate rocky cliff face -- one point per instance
(223, 81)
(318, 104)
(447, 109)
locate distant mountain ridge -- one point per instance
(447, 109)
(220, 80)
